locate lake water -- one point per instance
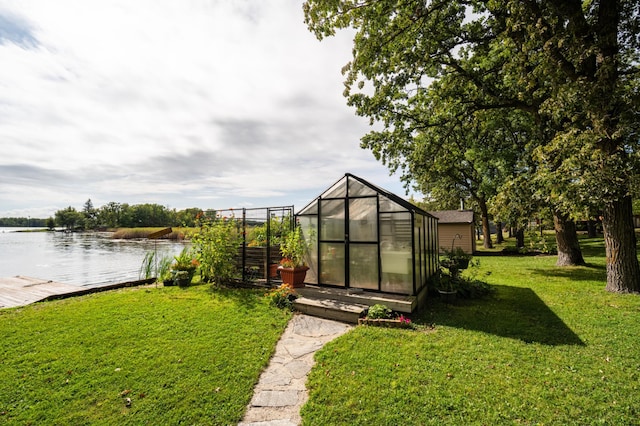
(83, 259)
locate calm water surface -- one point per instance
(83, 259)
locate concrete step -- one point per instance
(330, 309)
(398, 303)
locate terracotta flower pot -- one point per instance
(273, 270)
(294, 276)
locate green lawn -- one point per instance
(550, 346)
(183, 356)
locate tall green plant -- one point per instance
(293, 249)
(217, 244)
(147, 268)
(278, 229)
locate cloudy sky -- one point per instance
(210, 104)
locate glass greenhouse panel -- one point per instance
(357, 189)
(418, 241)
(312, 208)
(397, 270)
(424, 265)
(309, 227)
(363, 266)
(386, 205)
(339, 190)
(363, 219)
(395, 231)
(332, 264)
(396, 252)
(332, 220)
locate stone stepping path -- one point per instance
(281, 391)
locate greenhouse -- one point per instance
(362, 237)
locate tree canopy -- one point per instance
(571, 67)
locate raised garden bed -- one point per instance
(380, 322)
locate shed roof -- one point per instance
(454, 216)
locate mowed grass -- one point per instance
(549, 346)
(182, 356)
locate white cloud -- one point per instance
(202, 103)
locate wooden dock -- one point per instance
(21, 291)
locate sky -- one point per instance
(210, 104)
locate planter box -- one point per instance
(293, 276)
(391, 323)
(448, 296)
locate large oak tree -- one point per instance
(572, 66)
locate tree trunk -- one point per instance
(623, 270)
(499, 237)
(519, 237)
(569, 253)
(486, 230)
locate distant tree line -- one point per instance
(113, 215)
(123, 215)
(22, 222)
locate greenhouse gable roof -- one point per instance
(339, 190)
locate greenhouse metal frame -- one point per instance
(362, 237)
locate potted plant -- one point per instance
(456, 259)
(164, 270)
(184, 267)
(292, 268)
(446, 287)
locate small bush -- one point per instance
(472, 289)
(467, 286)
(282, 297)
(216, 245)
(538, 244)
(379, 312)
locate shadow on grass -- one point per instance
(511, 312)
(247, 297)
(588, 272)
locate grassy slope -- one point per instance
(550, 346)
(183, 356)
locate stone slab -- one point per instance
(275, 399)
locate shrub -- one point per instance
(538, 243)
(467, 286)
(283, 296)
(216, 245)
(379, 311)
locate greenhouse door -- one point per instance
(362, 243)
(332, 242)
(349, 248)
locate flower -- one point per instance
(185, 261)
(287, 263)
(283, 296)
(404, 319)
